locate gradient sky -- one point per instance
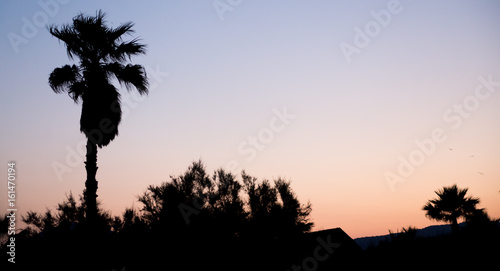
(220, 76)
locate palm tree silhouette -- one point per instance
(102, 55)
(450, 205)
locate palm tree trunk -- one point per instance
(90, 193)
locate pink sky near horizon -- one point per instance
(219, 79)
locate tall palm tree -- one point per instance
(102, 55)
(451, 205)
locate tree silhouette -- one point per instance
(276, 222)
(237, 219)
(102, 55)
(451, 205)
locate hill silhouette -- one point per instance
(429, 231)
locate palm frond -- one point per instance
(77, 90)
(115, 35)
(61, 79)
(126, 50)
(68, 35)
(131, 76)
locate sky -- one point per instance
(367, 107)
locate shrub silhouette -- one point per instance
(238, 221)
(405, 235)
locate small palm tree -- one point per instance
(451, 205)
(102, 55)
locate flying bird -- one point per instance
(480, 173)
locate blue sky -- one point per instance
(218, 77)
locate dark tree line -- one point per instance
(198, 221)
(194, 221)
